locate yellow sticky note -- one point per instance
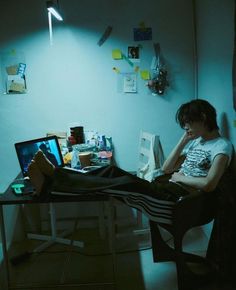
(116, 54)
(145, 74)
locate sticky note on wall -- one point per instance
(116, 54)
(145, 74)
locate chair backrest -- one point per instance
(151, 155)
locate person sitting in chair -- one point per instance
(207, 155)
(199, 160)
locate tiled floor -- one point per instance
(133, 269)
(64, 267)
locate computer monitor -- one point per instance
(26, 150)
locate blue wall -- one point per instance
(73, 81)
(215, 24)
(215, 27)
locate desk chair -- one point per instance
(196, 209)
(150, 160)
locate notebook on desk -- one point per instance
(26, 150)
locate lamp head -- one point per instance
(53, 9)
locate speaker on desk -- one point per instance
(78, 134)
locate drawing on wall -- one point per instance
(13, 72)
(130, 83)
(141, 34)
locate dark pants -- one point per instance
(112, 177)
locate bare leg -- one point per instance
(36, 177)
(44, 165)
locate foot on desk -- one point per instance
(36, 177)
(44, 165)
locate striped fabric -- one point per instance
(155, 209)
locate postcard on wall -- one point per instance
(141, 34)
(130, 83)
(133, 52)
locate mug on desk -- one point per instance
(85, 159)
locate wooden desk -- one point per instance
(9, 198)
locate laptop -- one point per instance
(25, 152)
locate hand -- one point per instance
(176, 177)
(187, 136)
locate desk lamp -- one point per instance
(52, 10)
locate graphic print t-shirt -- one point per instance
(200, 155)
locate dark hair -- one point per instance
(43, 146)
(197, 111)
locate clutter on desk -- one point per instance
(95, 150)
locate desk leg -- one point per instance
(4, 248)
(112, 235)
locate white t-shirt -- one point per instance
(200, 155)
